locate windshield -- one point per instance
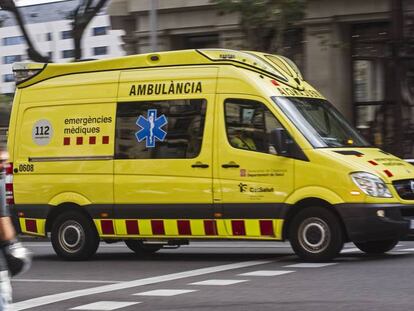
(319, 121)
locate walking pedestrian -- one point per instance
(14, 258)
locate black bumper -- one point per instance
(363, 224)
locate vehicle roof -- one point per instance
(280, 68)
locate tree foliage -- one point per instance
(81, 16)
(5, 100)
(264, 22)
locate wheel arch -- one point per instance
(305, 203)
(55, 211)
(73, 197)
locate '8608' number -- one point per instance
(26, 168)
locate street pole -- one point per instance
(153, 25)
(397, 73)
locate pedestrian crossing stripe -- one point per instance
(106, 305)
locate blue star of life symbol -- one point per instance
(151, 128)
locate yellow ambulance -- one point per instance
(160, 149)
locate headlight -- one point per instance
(371, 184)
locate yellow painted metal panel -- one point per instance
(197, 227)
(41, 226)
(65, 168)
(120, 227)
(98, 226)
(252, 227)
(170, 227)
(74, 88)
(145, 227)
(22, 224)
(278, 224)
(221, 227)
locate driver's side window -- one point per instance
(249, 125)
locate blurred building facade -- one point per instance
(352, 51)
(49, 26)
(181, 25)
(366, 50)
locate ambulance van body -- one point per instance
(160, 149)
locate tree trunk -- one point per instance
(278, 39)
(83, 15)
(33, 54)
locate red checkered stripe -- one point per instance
(188, 227)
(32, 226)
(90, 140)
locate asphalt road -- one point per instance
(217, 276)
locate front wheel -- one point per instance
(316, 234)
(377, 247)
(74, 236)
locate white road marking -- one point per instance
(235, 244)
(49, 244)
(37, 244)
(105, 305)
(44, 300)
(218, 282)
(350, 250)
(396, 253)
(165, 292)
(310, 265)
(406, 250)
(64, 281)
(266, 273)
(344, 259)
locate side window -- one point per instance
(170, 129)
(249, 125)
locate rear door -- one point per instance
(63, 146)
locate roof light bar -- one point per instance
(242, 58)
(25, 71)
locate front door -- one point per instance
(163, 166)
(253, 179)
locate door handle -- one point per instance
(199, 165)
(230, 165)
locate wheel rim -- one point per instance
(314, 235)
(71, 236)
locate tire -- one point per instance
(140, 248)
(316, 234)
(74, 236)
(377, 247)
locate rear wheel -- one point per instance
(74, 236)
(377, 247)
(139, 247)
(316, 234)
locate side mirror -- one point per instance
(279, 139)
(285, 146)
